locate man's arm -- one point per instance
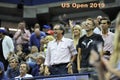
(17, 35)
(73, 52)
(26, 36)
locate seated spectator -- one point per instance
(2, 72)
(35, 38)
(38, 70)
(12, 54)
(24, 68)
(31, 58)
(13, 69)
(44, 43)
(20, 53)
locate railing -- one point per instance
(77, 76)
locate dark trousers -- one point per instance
(58, 69)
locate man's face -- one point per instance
(39, 60)
(89, 25)
(23, 68)
(57, 30)
(104, 25)
(21, 25)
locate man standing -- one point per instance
(60, 53)
(86, 43)
(107, 36)
(22, 36)
(6, 47)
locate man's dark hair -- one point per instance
(27, 66)
(61, 28)
(90, 19)
(105, 18)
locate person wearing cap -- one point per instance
(6, 47)
(46, 28)
(2, 72)
(60, 53)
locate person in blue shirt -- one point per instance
(13, 69)
(2, 72)
(38, 70)
(35, 38)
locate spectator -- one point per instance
(76, 30)
(35, 38)
(97, 28)
(24, 68)
(60, 53)
(83, 25)
(2, 72)
(36, 25)
(19, 52)
(6, 47)
(31, 58)
(47, 39)
(22, 36)
(107, 36)
(46, 28)
(111, 69)
(13, 69)
(38, 70)
(85, 44)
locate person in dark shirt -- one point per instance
(2, 72)
(13, 69)
(86, 43)
(38, 70)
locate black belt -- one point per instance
(61, 64)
